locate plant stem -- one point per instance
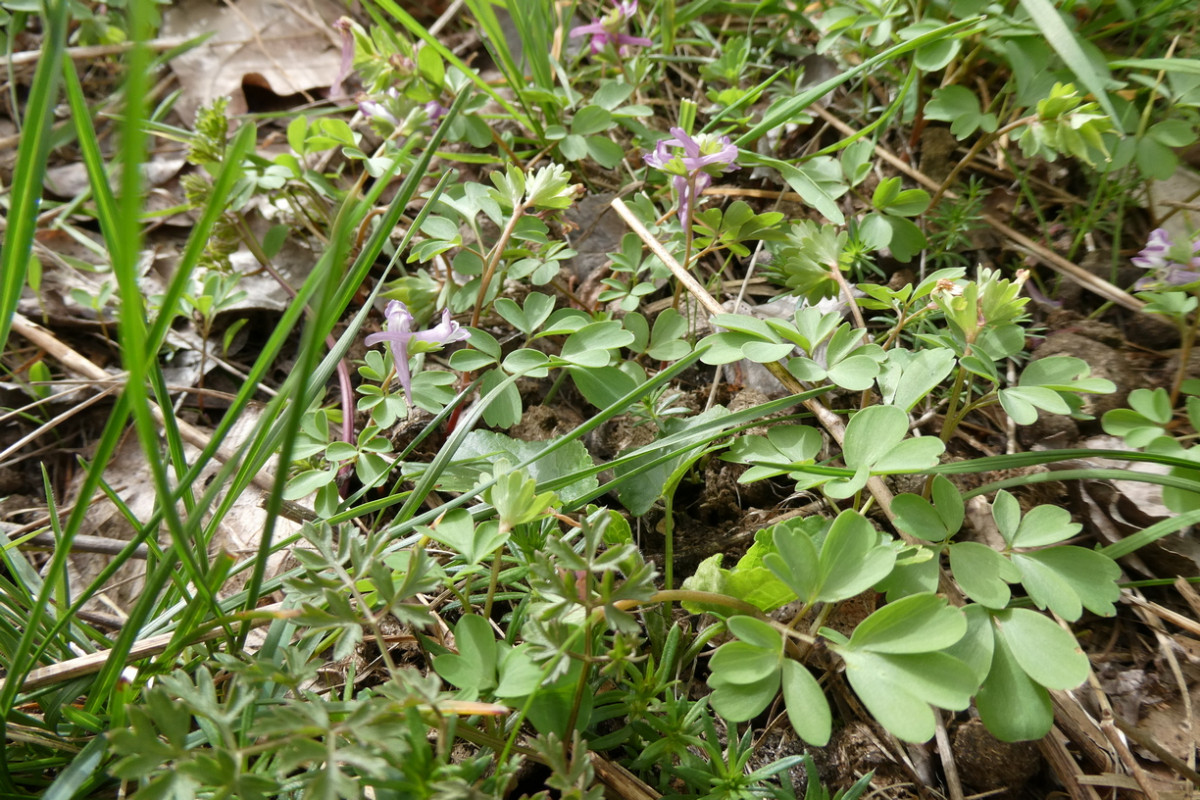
(669, 544)
(1187, 331)
(980, 143)
(949, 422)
(493, 582)
(494, 261)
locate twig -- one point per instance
(1054, 750)
(143, 648)
(1164, 755)
(97, 50)
(947, 755)
(83, 543)
(1188, 624)
(1118, 742)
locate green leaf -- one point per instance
(875, 444)
(308, 482)
(905, 378)
(591, 345)
(748, 580)
(890, 198)
(756, 632)
(457, 530)
(1089, 577)
(1047, 588)
(899, 689)
(917, 517)
(612, 94)
(856, 373)
(814, 187)
(1006, 512)
(976, 647)
(591, 119)
(473, 667)
(1046, 652)
(959, 106)
(480, 449)
(807, 708)
(666, 341)
(603, 386)
(1021, 403)
(640, 493)
(738, 702)
(851, 558)
(528, 362)
(919, 623)
(573, 147)
(1045, 525)
(906, 240)
(796, 562)
(504, 411)
(1134, 428)
(777, 453)
(741, 663)
(1012, 706)
(978, 569)
(1064, 374)
(520, 675)
(1154, 405)
(605, 151)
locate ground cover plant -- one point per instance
(529, 399)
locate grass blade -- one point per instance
(25, 196)
(1050, 22)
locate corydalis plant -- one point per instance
(1166, 263)
(606, 31)
(693, 161)
(389, 111)
(1171, 287)
(406, 342)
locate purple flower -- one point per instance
(435, 110)
(378, 110)
(606, 30)
(1165, 262)
(405, 342)
(703, 156)
(342, 26)
(1154, 254)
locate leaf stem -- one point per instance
(494, 261)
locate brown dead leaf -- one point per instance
(239, 533)
(288, 48)
(1168, 724)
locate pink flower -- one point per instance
(703, 156)
(435, 110)
(1168, 264)
(342, 26)
(378, 110)
(606, 30)
(406, 342)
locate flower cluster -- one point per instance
(406, 342)
(381, 110)
(1167, 263)
(702, 157)
(606, 30)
